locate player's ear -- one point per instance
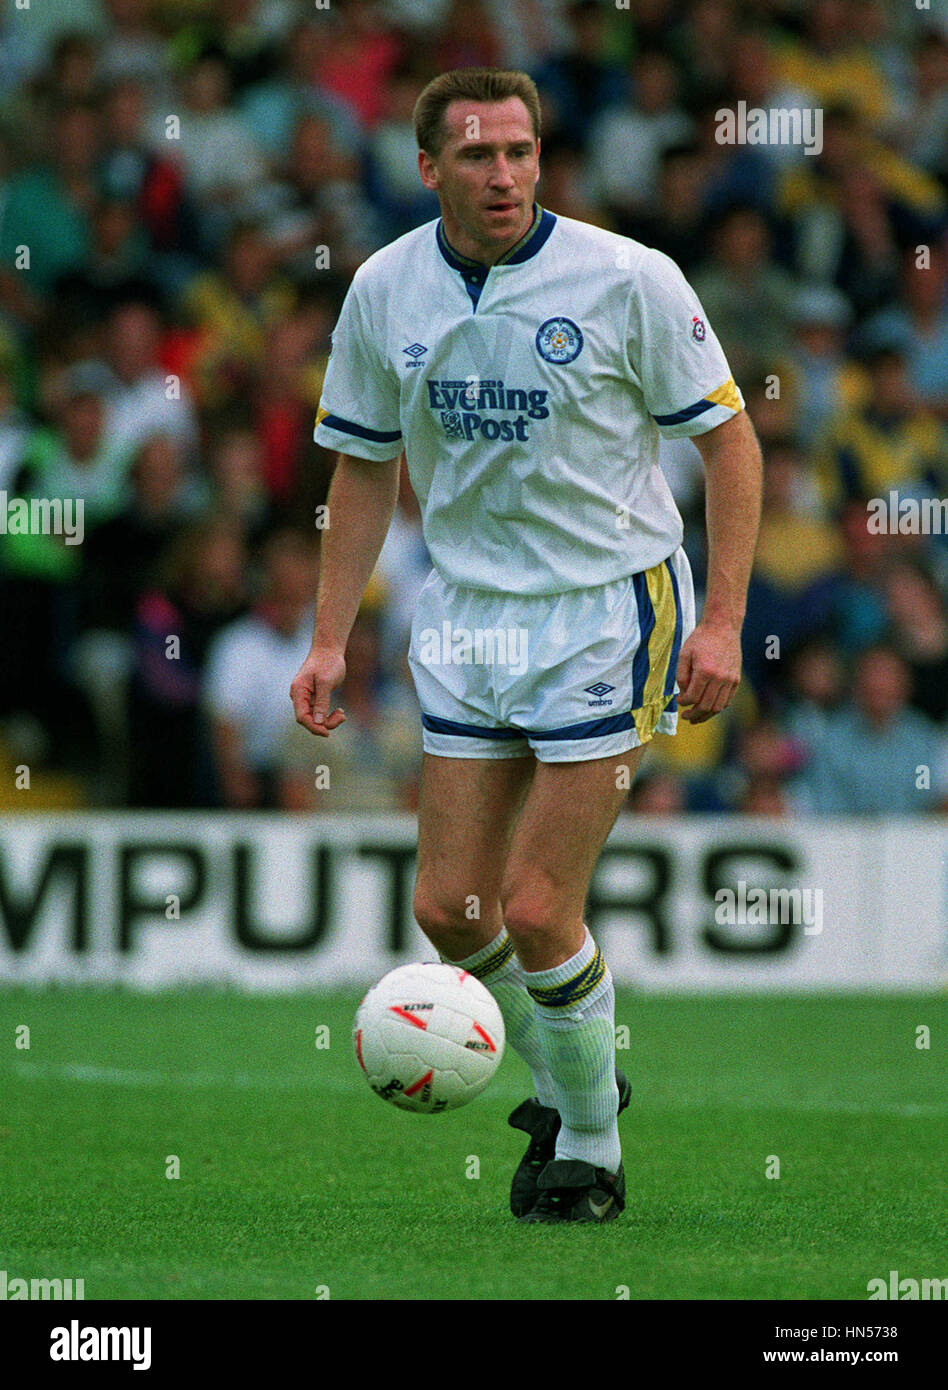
(427, 169)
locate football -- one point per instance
(428, 1037)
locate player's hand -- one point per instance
(323, 671)
(709, 671)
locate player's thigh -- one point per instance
(466, 813)
(566, 816)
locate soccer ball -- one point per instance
(428, 1037)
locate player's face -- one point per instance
(485, 175)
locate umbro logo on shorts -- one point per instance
(599, 690)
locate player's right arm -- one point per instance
(361, 504)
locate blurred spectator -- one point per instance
(133, 47)
(752, 77)
(849, 604)
(580, 81)
(565, 185)
(14, 427)
(767, 757)
(852, 206)
(78, 458)
(114, 267)
(703, 42)
(656, 792)
(238, 490)
(832, 65)
(145, 400)
(232, 310)
(469, 39)
(273, 107)
(888, 442)
(145, 173)
(876, 756)
(320, 202)
(919, 326)
(926, 126)
(391, 172)
(626, 142)
(815, 689)
(678, 223)
(822, 380)
(121, 556)
(796, 551)
(766, 796)
(221, 161)
(283, 408)
(741, 285)
(201, 591)
(68, 78)
(250, 667)
(917, 609)
(246, 34)
(359, 52)
(377, 765)
(48, 208)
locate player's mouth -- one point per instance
(502, 207)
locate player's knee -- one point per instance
(444, 923)
(530, 911)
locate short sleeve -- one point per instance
(679, 363)
(358, 409)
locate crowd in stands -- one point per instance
(186, 189)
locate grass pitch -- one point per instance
(295, 1179)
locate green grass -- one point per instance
(294, 1176)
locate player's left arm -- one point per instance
(709, 667)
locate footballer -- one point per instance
(527, 365)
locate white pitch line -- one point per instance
(249, 1081)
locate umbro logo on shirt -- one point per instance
(415, 351)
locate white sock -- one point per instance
(497, 967)
(575, 1005)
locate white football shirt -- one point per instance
(529, 397)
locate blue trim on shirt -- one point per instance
(336, 422)
(688, 413)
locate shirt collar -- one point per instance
(523, 250)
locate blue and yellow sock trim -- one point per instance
(574, 989)
(495, 961)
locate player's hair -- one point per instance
(469, 84)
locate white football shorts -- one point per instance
(587, 673)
